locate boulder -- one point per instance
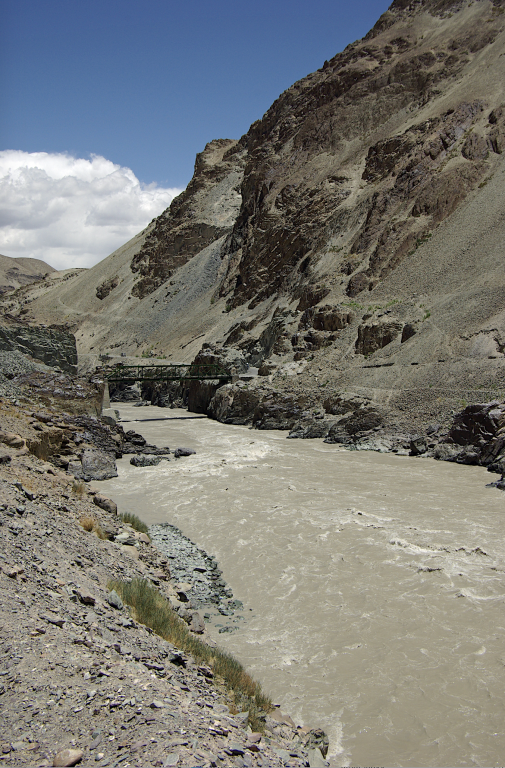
(110, 416)
(317, 739)
(145, 461)
(183, 452)
(12, 440)
(337, 434)
(68, 757)
(446, 452)
(197, 624)
(104, 503)
(233, 404)
(364, 419)
(94, 465)
(132, 551)
(418, 446)
(114, 600)
(316, 759)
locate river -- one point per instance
(373, 584)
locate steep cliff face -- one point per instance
(361, 160)
(204, 212)
(352, 240)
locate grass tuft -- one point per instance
(151, 608)
(79, 487)
(134, 521)
(90, 524)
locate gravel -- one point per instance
(14, 364)
(189, 563)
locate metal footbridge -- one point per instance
(129, 374)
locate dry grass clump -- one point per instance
(79, 487)
(90, 524)
(134, 521)
(151, 608)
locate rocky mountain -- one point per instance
(17, 272)
(350, 245)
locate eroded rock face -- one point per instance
(477, 424)
(326, 318)
(377, 335)
(106, 287)
(54, 347)
(281, 194)
(203, 213)
(285, 220)
(76, 395)
(200, 393)
(476, 436)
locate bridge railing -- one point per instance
(174, 372)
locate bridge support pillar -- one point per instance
(106, 396)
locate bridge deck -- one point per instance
(169, 372)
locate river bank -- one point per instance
(81, 679)
(374, 580)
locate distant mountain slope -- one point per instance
(354, 234)
(17, 272)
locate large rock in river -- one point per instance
(94, 465)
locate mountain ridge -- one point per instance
(353, 234)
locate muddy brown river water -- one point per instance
(376, 582)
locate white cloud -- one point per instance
(71, 212)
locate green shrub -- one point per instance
(134, 521)
(152, 609)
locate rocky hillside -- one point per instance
(17, 272)
(87, 677)
(350, 243)
(53, 346)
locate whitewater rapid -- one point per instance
(373, 584)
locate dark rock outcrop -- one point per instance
(377, 335)
(145, 461)
(477, 436)
(106, 287)
(54, 347)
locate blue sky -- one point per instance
(145, 85)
